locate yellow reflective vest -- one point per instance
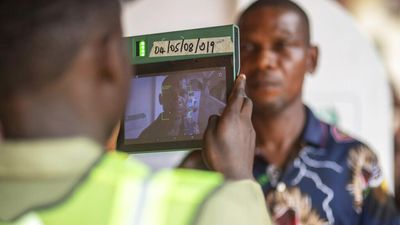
(121, 192)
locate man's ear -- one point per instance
(115, 59)
(312, 59)
(115, 70)
(112, 79)
(160, 99)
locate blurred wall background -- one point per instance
(349, 89)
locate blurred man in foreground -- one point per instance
(63, 87)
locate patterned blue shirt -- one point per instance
(335, 179)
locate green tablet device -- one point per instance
(180, 79)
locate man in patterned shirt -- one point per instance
(311, 173)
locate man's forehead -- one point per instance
(174, 83)
(279, 20)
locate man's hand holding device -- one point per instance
(229, 140)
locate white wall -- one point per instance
(154, 16)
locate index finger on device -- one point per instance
(238, 94)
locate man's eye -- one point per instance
(247, 47)
(280, 45)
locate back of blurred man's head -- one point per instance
(63, 71)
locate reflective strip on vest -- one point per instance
(30, 219)
(174, 197)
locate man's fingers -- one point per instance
(211, 126)
(209, 134)
(236, 98)
(247, 107)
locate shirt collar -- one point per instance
(315, 131)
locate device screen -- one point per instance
(171, 101)
(173, 106)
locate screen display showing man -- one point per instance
(181, 102)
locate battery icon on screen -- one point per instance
(141, 48)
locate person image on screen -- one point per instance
(178, 104)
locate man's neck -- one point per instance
(278, 133)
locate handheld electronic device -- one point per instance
(180, 79)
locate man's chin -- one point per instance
(268, 105)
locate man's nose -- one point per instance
(266, 59)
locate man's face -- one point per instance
(175, 97)
(274, 56)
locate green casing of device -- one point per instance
(183, 46)
(142, 47)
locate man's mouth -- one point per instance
(265, 79)
(265, 85)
